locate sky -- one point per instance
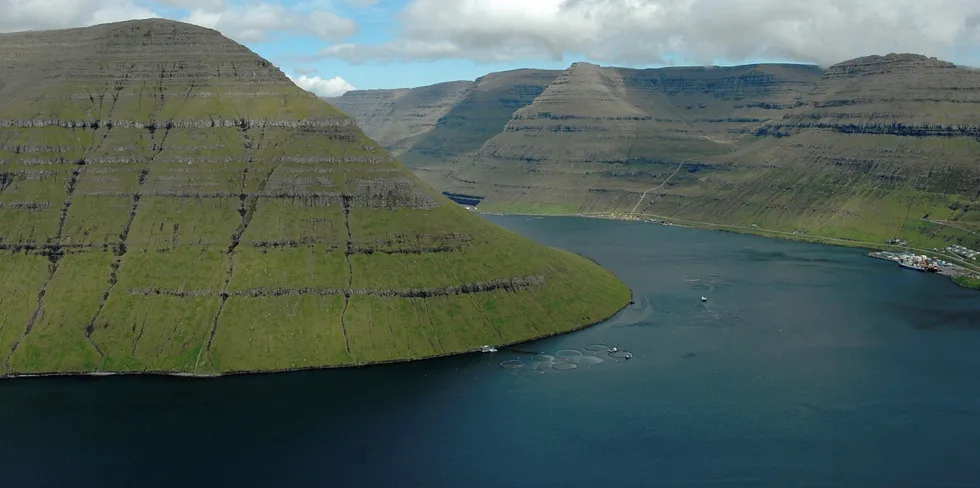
(332, 46)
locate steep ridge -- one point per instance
(171, 202)
(394, 118)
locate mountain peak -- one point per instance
(126, 28)
(888, 64)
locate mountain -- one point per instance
(868, 149)
(396, 116)
(171, 202)
(463, 122)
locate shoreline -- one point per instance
(476, 350)
(770, 234)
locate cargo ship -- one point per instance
(918, 263)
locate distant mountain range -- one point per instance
(868, 149)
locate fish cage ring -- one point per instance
(564, 366)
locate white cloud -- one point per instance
(252, 21)
(324, 87)
(20, 15)
(696, 31)
(207, 5)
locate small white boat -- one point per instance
(488, 348)
(703, 299)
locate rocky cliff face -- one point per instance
(171, 202)
(898, 94)
(866, 149)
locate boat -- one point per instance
(488, 348)
(918, 263)
(907, 265)
(703, 299)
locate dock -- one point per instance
(945, 268)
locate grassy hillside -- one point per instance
(870, 149)
(170, 202)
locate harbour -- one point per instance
(921, 262)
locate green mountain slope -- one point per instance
(170, 202)
(869, 149)
(463, 121)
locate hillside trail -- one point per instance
(944, 223)
(661, 185)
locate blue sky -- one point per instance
(329, 46)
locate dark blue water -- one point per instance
(807, 366)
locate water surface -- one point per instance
(808, 366)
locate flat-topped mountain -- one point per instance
(868, 149)
(171, 202)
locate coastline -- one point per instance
(476, 350)
(972, 283)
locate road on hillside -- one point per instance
(679, 166)
(942, 222)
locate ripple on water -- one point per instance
(543, 357)
(568, 353)
(589, 360)
(530, 372)
(596, 347)
(512, 364)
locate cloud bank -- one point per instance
(666, 31)
(623, 32)
(245, 22)
(332, 87)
